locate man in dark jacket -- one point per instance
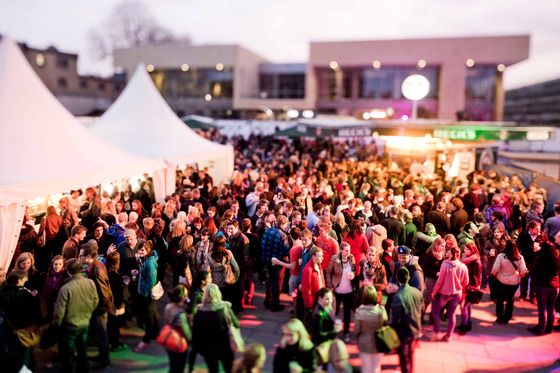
(70, 250)
(406, 318)
(395, 228)
(98, 273)
(239, 246)
(439, 219)
(528, 244)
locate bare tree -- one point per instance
(130, 25)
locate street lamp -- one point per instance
(415, 88)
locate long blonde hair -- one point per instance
(211, 294)
(296, 326)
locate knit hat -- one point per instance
(403, 250)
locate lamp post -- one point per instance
(415, 87)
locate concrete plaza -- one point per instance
(489, 347)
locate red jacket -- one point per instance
(311, 281)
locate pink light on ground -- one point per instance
(249, 316)
(250, 322)
(404, 117)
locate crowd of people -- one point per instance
(329, 224)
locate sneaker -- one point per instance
(533, 300)
(141, 346)
(446, 339)
(462, 330)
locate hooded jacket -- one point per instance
(148, 275)
(210, 328)
(453, 278)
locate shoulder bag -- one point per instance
(170, 338)
(473, 294)
(229, 273)
(28, 336)
(42, 239)
(236, 342)
(386, 338)
(157, 291)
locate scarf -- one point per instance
(54, 282)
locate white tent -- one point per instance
(141, 122)
(43, 148)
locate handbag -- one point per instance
(42, 239)
(171, 338)
(236, 342)
(28, 336)
(230, 275)
(473, 295)
(157, 291)
(386, 338)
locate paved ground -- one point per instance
(488, 348)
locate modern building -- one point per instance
(81, 95)
(352, 78)
(537, 104)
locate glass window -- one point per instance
(385, 83)
(62, 82)
(481, 83)
(62, 63)
(83, 84)
(101, 86)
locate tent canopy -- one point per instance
(44, 149)
(141, 122)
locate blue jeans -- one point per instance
(68, 341)
(546, 297)
(99, 325)
(452, 302)
(466, 313)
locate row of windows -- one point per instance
(101, 86)
(288, 86)
(176, 84)
(370, 83)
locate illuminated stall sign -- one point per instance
(489, 133)
(354, 132)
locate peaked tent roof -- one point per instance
(43, 148)
(140, 121)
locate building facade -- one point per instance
(81, 95)
(354, 78)
(537, 104)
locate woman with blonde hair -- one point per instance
(252, 361)
(185, 261)
(170, 210)
(339, 359)
(26, 262)
(370, 316)
(340, 227)
(178, 231)
(295, 350)
(210, 329)
(110, 209)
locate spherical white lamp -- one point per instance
(415, 88)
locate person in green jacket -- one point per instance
(76, 301)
